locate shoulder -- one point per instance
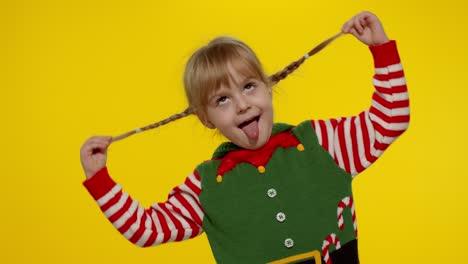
(305, 133)
(208, 169)
(304, 129)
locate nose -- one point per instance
(242, 105)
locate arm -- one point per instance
(356, 142)
(179, 218)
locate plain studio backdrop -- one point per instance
(73, 69)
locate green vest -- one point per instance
(290, 209)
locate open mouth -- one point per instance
(250, 128)
(255, 118)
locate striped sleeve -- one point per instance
(356, 142)
(179, 218)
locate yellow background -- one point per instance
(73, 69)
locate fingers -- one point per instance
(354, 32)
(100, 139)
(353, 23)
(363, 21)
(354, 27)
(96, 144)
(357, 25)
(96, 147)
(346, 27)
(359, 22)
(93, 154)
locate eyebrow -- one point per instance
(248, 79)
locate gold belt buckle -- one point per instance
(304, 256)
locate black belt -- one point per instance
(347, 254)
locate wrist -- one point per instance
(385, 54)
(99, 184)
(380, 40)
(89, 175)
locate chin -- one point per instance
(259, 143)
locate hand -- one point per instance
(93, 154)
(366, 27)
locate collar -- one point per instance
(231, 154)
(227, 147)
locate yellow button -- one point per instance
(219, 178)
(300, 147)
(261, 169)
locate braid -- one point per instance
(175, 117)
(275, 78)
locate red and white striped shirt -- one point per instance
(354, 143)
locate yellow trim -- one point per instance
(315, 254)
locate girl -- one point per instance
(274, 193)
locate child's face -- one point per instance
(242, 111)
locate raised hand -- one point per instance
(93, 154)
(366, 27)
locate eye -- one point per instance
(249, 86)
(221, 100)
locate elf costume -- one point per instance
(289, 201)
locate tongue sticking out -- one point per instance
(251, 130)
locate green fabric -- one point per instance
(240, 219)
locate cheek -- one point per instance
(270, 112)
(221, 120)
(268, 105)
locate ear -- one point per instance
(204, 120)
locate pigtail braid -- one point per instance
(175, 117)
(275, 78)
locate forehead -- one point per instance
(234, 74)
(226, 69)
(237, 77)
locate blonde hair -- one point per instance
(211, 66)
(208, 69)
